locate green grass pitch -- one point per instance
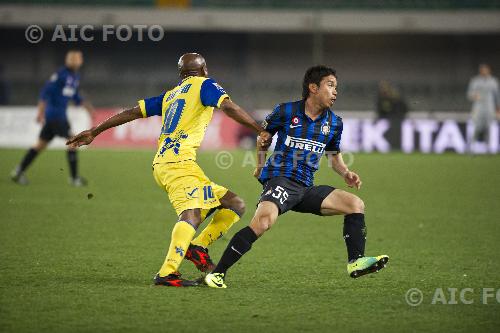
(73, 264)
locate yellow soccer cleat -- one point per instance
(215, 280)
(366, 265)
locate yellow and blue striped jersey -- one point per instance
(186, 111)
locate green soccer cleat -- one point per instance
(215, 280)
(366, 265)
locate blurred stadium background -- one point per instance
(426, 50)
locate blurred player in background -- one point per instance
(391, 105)
(186, 111)
(54, 97)
(485, 97)
(306, 130)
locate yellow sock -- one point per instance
(221, 222)
(204, 213)
(182, 234)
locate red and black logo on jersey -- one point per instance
(295, 122)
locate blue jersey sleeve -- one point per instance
(275, 119)
(211, 94)
(151, 106)
(51, 86)
(334, 145)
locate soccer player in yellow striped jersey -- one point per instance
(186, 111)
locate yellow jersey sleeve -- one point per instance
(151, 106)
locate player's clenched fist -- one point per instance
(265, 138)
(83, 138)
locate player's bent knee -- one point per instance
(265, 223)
(40, 146)
(192, 216)
(357, 205)
(265, 216)
(262, 223)
(233, 202)
(238, 206)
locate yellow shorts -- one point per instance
(187, 186)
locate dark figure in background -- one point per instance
(4, 88)
(391, 106)
(61, 88)
(484, 94)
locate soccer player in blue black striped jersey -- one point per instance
(54, 98)
(306, 130)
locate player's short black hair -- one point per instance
(314, 75)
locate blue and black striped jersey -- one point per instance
(301, 142)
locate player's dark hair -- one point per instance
(314, 75)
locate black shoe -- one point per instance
(173, 280)
(198, 255)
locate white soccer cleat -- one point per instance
(18, 177)
(78, 182)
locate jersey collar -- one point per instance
(302, 107)
(70, 70)
(184, 79)
(188, 77)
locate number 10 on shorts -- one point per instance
(280, 194)
(208, 193)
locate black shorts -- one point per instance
(55, 128)
(291, 195)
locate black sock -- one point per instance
(72, 160)
(28, 159)
(355, 235)
(240, 244)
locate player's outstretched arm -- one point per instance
(237, 113)
(338, 165)
(86, 137)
